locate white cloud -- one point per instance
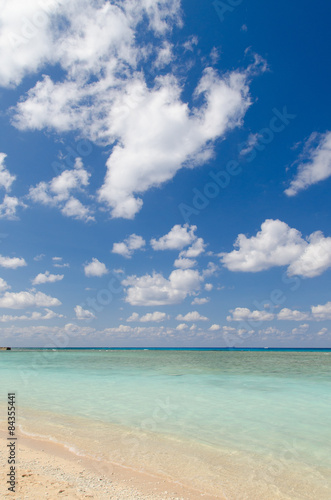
(323, 331)
(6, 179)
(315, 165)
(104, 93)
(129, 245)
(95, 268)
(275, 245)
(58, 192)
(155, 316)
(34, 316)
(57, 262)
(39, 257)
(183, 263)
(46, 277)
(215, 327)
(244, 314)
(20, 300)
(75, 209)
(164, 56)
(181, 327)
(177, 238)
(322, 312)
(118, 271)
(9, 206)
(279, 245)
(134, 317)
(83, 313)
(208, 287)
(195, 250)
(292, 315)
(191, 42)
(250, 144)
(3, 285)
(191, 316)
(166, 123)
(302, 329)
(315, 257)
(155, 290)
(64, 264)
(210, 270)
(12, 262)
(199, 301)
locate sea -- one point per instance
(236, 424)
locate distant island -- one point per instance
(5, 348)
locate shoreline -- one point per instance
(50, 470)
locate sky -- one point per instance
(165, 170)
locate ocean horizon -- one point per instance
(174, 348)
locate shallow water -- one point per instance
(262, 417)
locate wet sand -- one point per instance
(47, 470)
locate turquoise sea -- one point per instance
(235, 424)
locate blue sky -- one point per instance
(164, 173)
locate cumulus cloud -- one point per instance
(155, 290)
(95, 268)
(301, 330)
(183, 263)
(277, 244)
(166, 123)
(47, 277)
(314, 164)
(195, 250)
(292, 315)
(6, 179)
(8, 207)
(315, 257)
(215, 327)
(3, 285)
(322, 312)
(34, 316)
(245, 314)
(208, 287)
(181, 327)
(103, 91)
(129, 245)
(83, 313)
(191, 316)
(58, 192)
(21, 300)
(177, 238)
(210, 270)
(155, 316)
(317, 313)
(12, 262)
(199, 301)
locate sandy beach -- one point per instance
(47, 470)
